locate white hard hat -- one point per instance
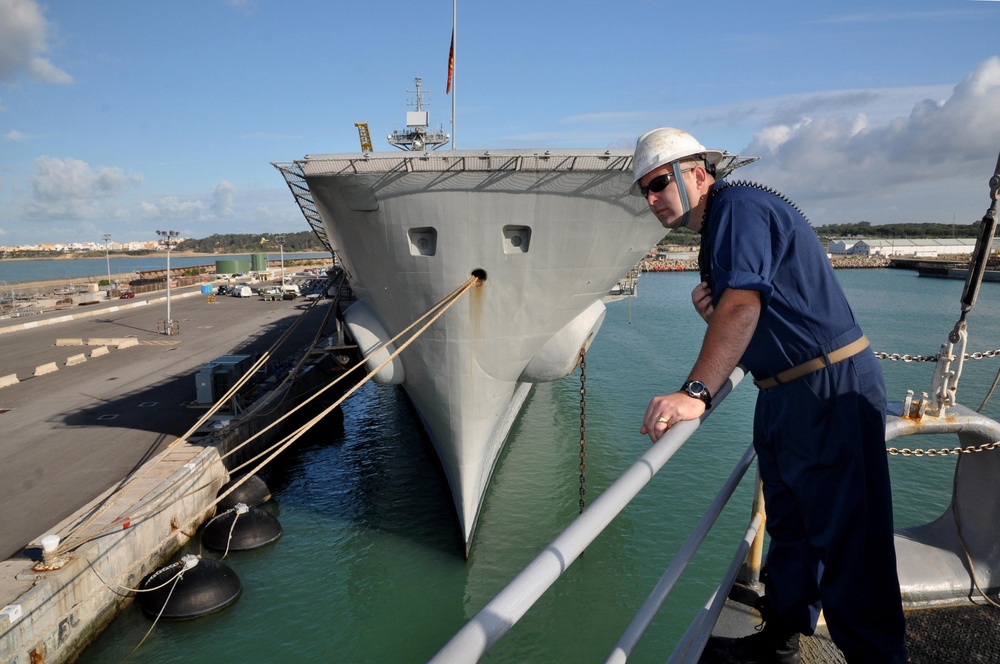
(665, 145)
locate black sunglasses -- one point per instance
(659, 183)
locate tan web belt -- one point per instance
(814, 364)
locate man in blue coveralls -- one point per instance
(773, 303)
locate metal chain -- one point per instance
(944, 451)
(896, 357)
(583, 429)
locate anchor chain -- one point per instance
(896, 357)
(944, 451)
(583, 429)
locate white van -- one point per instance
(243, 291)
(291, 288)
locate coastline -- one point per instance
(35, 285)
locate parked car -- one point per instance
(127, 295)
(224, 289)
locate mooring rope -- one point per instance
(176, 580)
(298, 433)
(445, 302)
(71, 542)
(115, 588)
(236, 517)
(250, 372)
(292, 373)
(435, 312)
(989, 392)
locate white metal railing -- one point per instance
(651, 607)
(499, 615)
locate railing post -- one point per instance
(756, 553)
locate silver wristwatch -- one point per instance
(697, 389)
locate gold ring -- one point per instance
(662, 419)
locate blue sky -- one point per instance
(123, 117)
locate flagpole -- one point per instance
(454, 38)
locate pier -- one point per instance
(92, 397)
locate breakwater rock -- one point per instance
(858, 262)
(691, 265)
(669, 265)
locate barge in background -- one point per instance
(946, 269)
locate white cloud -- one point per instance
(14, 135)
(71, 189)
(47, 72)
(173, 208)
(839, 155)
(222, 196)
(23, 41)
(193, 208)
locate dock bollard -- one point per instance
(49, 545)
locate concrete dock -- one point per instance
(84, 403)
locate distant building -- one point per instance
(921, 248)
(841, 247)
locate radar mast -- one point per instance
(417, 137)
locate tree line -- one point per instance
(240, 243)
(897, 231)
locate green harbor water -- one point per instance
(370, 567)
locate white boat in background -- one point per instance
(548, 233)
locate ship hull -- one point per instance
(547, 236)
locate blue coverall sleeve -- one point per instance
(743, 248)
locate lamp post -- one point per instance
(168, 239)
(280, 240)
(107, 257)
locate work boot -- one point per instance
(774, 643)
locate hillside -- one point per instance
(245, 243)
